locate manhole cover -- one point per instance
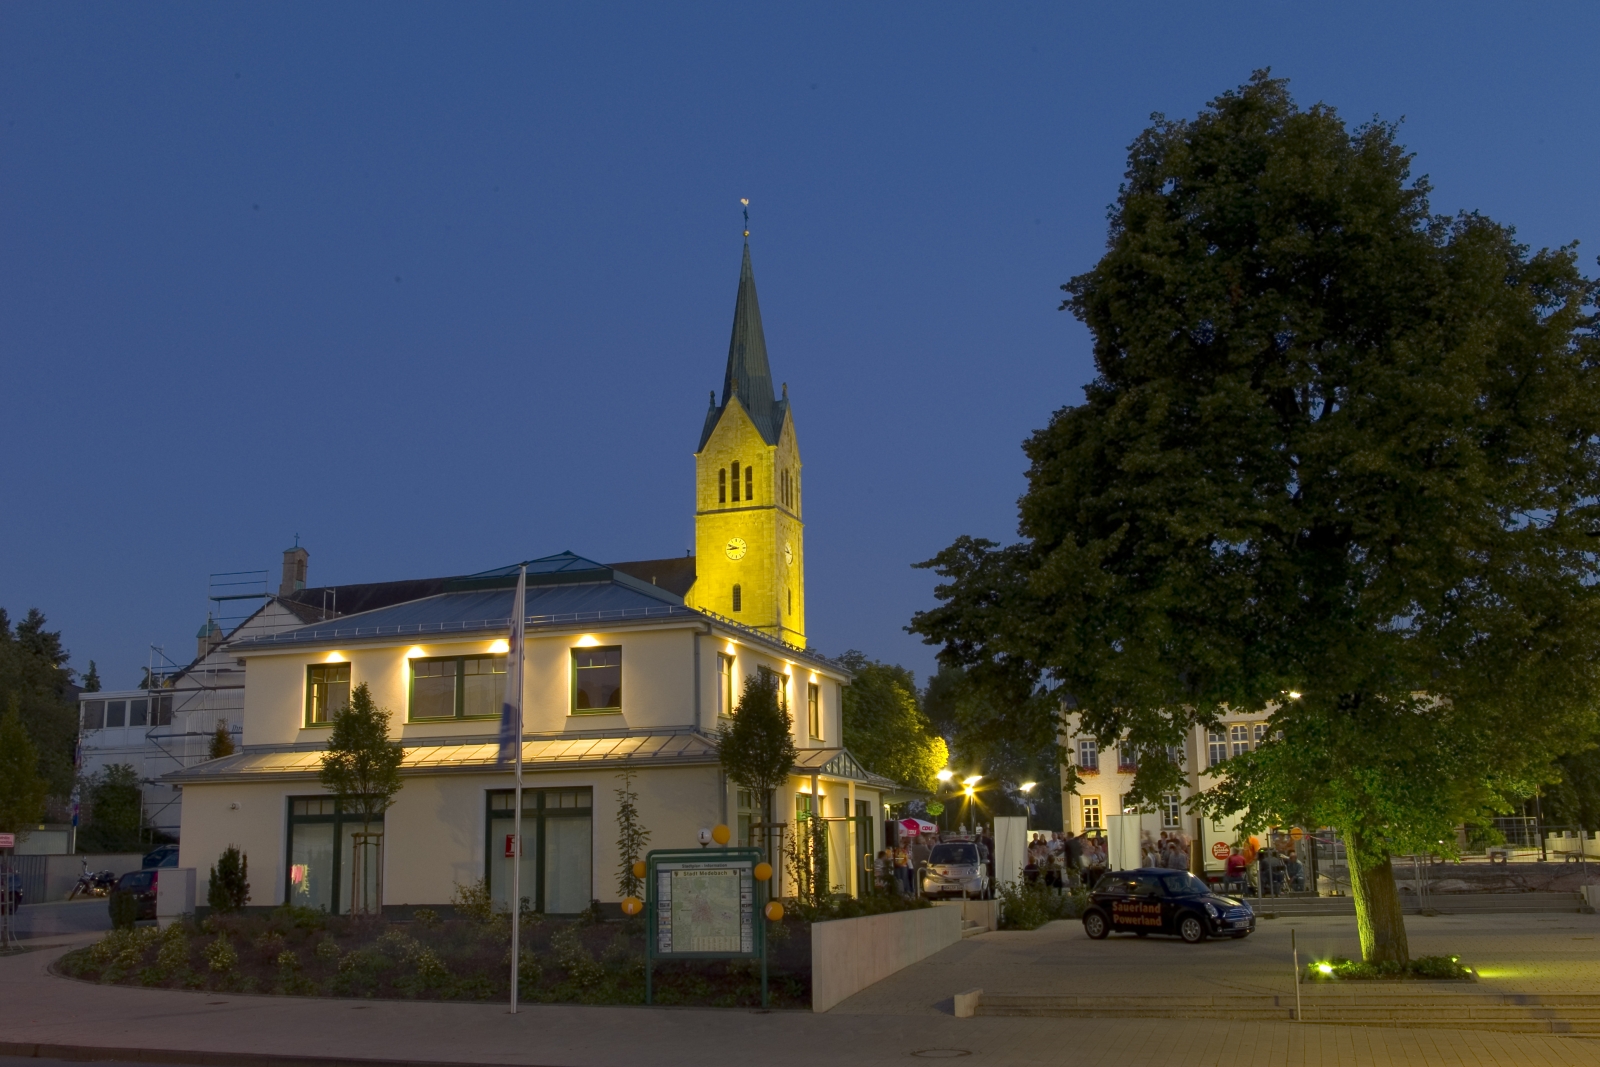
(941, 1053)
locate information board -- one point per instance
(704, 903)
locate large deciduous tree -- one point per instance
(362, 766)
(1337, 446)
(757, 747)
(33, 671)
(884, 724)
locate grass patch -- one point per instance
(300, 952)
(1340, 969)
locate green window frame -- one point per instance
(597, 680)
(455, 687)
(726, 699)
(814, 709)
(543, 842)
(319, 852)
(327, 692)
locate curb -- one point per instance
(201, 1058)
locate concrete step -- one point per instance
(1444, 903)
(969, 928)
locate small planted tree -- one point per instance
(362, 769)
(230, 881)
(221, 741)
(22, 790)
(632, 838)
(757, 747)
(116, 810)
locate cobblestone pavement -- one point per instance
(910, 1016)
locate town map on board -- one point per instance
(705, 910)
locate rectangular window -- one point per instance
(814, 709)
(1216, 747)
(781, 681)
(1259, 733)
(1171, 812)
(139, 711)
(116, 713)
(322, 851)
(749, 483)
(94, 714)
(1127, 758)
(161, 710)
(725, 694)
(457, 687)
(736, 482)
(557, 861)
(327, 692)
(597, 679)
(1239, 739)
(1129, 805)
(1088, 756)
(722, 485)
(1091, 813)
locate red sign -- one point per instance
(511, 845)
(1220, 850)
(8, 840)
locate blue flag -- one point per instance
(511, 708)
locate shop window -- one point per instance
(557, 864)
(1091, 813)
(597, 679)
(322, 855)
(327, 692)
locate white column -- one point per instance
(855, 858)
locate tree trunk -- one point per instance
(1378, 918)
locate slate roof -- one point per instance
(748, 375)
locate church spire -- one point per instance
(748, 375)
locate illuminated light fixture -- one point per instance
(971, 780)
(944, 775)
(414, 651)
(968, 790)
(501, 645)
(1026, 786)
(1294, 694)
(1325, 968)
(729, 648)
(334, 657)
(587, 641)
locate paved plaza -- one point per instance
(890, 1023)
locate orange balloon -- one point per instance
(632, 905)
(721, 834)
(774, 911)
(639, 869)
(763, 871)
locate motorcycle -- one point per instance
(93, 883)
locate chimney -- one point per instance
(294, 569)
(209, 637)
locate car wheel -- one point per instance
(1095, 925)
(1191, 929)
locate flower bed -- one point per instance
(1433, 968)
(300, 952)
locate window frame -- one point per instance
(814, 710)
(738, 597)
(1171, 808)
(735, 481)
(722, 485)
(460, 703)
(749, 482)
(1084, 806)
(310, 698)
(1088, 755)
(95, 707)
(534, 818)
(725, 694)
(573, 669)
(340, 819)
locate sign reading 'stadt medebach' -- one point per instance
(705, 906)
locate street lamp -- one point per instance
(945, 774)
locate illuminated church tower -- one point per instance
(749, 540)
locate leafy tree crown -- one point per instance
(362, 766)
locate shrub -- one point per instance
(327, 951)
(287, 960)
(174, 954)
(271, 944)
(124, 910)
(1340, 969)
(426, 918)
(1029, 905)
(220, 955)
(398, 945)
(230, 881)
(574, 958)
(473, 901)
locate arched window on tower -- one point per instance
(722, 485)
(735, 481)
(749, 483)
(738, 597)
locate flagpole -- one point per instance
(514, 678)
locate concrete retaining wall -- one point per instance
(847, 955)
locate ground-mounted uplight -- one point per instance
(1325, 968)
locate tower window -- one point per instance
(790, 593)
(749, 483)
(738, 598)
(722, 485)
(735, 481)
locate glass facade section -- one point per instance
(327, 691)
(597, 679)
(457, 687)
(557, 849)
(322, 856)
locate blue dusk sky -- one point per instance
(439, 287)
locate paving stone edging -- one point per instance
(201, 1058)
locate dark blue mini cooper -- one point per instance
(1155, 900)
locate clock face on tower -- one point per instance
(736, 548)
(788, 553)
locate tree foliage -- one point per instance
(884, 724)
(362, 766)
(1337, 445)
(221, 743)
(22, 790)
(632, 837)
(229, 889)
(115, 821)
(33, 670)
(757, 747)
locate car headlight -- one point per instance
(1211, 909)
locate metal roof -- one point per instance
(748, 375)
(448, 755)
(839, 763)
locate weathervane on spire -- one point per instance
(746, 202)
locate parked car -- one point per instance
(1157, 900)
(141, 885)
(956, 869)
(13, 890)
(161, 856)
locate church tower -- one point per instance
(749, 540)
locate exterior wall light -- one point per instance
(414, 651)
(334, 657)
(1027, 786)
(501, 645)
(587, 641)
(945, 774)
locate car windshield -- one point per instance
(1183, 885)
(966, 854)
